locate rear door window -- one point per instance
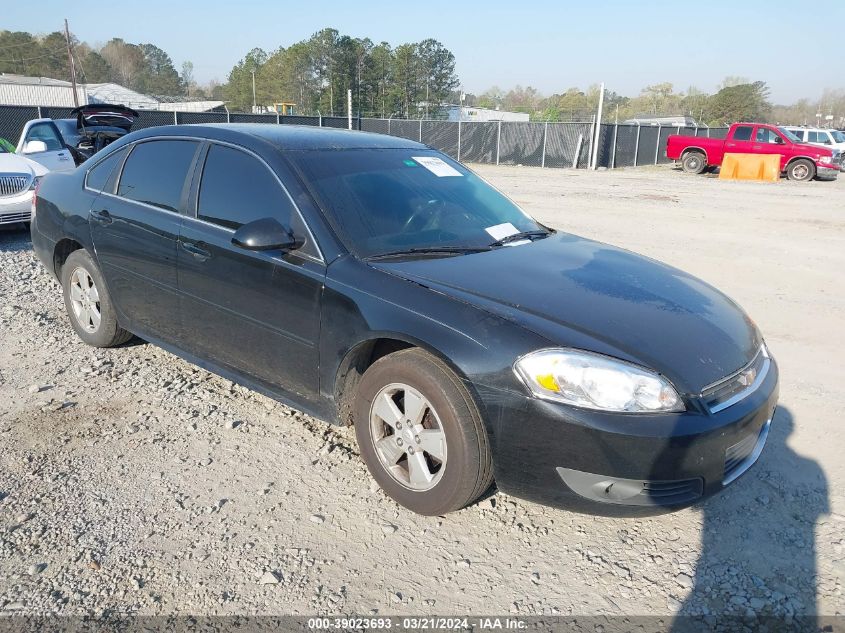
(155, 173)
(743, 133)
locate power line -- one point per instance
(29, 59)
(34, 42)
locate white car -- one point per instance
(19, 176)
(42, 142)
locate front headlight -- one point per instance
(34, 184)
(825, 159)
(593, 381)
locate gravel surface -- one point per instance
(134, 482)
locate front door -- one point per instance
(52, 154)
(134, 228)
(257, 312)
(768, 141)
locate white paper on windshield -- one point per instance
(501, 231)
(437, 166)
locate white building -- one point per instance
(43, 91)
(465, 113)
(679, 120)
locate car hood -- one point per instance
(812, 148)
(581, 293)
(17, 164)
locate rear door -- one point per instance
(134, 226)
(257, 312)
(740, 141)
(52, 154)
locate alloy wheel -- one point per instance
(408, 437)
(85, 300)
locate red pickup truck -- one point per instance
(800, 161)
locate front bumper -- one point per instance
(827, 172)
(17, 208)
(604, 463)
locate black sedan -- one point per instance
(373, 281)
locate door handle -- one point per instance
(196, 249)
(102, 217)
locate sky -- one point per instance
(549, 45)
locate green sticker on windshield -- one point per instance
(410, 163)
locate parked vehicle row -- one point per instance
(371, 280)
(55, 145)
(798, 160)
(62, 144)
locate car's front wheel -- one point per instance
(88, 304)
(421, 434)
(801, 170)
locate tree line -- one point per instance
(735, 99)
(145, 68)
(410, 80)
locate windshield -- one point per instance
(789, 135)
(386, 200)
(838, 137)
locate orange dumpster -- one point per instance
(764, 167)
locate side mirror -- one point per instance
(34, 147)
(778, 140)
(266, 234)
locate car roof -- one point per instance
(286, 136)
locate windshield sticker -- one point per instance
(409, 163)
(437, 166)
(501, 231)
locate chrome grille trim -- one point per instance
(731, 389)
(14, 184)
(14, 218)
(744, 454)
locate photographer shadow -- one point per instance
(758, 547)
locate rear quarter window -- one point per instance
(100, 177)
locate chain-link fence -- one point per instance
(536, 144)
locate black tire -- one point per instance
(694, 162)
(801, 170)
(467, 471)
(107, 332)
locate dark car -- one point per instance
(373, 281)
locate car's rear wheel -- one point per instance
(694, 163)
(88, 304)
(801, 170)
(421, 434)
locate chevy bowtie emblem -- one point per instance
(746, 378)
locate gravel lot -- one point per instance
(131, 481)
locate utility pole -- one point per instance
(254, 106)
(72, 66)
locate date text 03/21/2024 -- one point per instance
(417, 623)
